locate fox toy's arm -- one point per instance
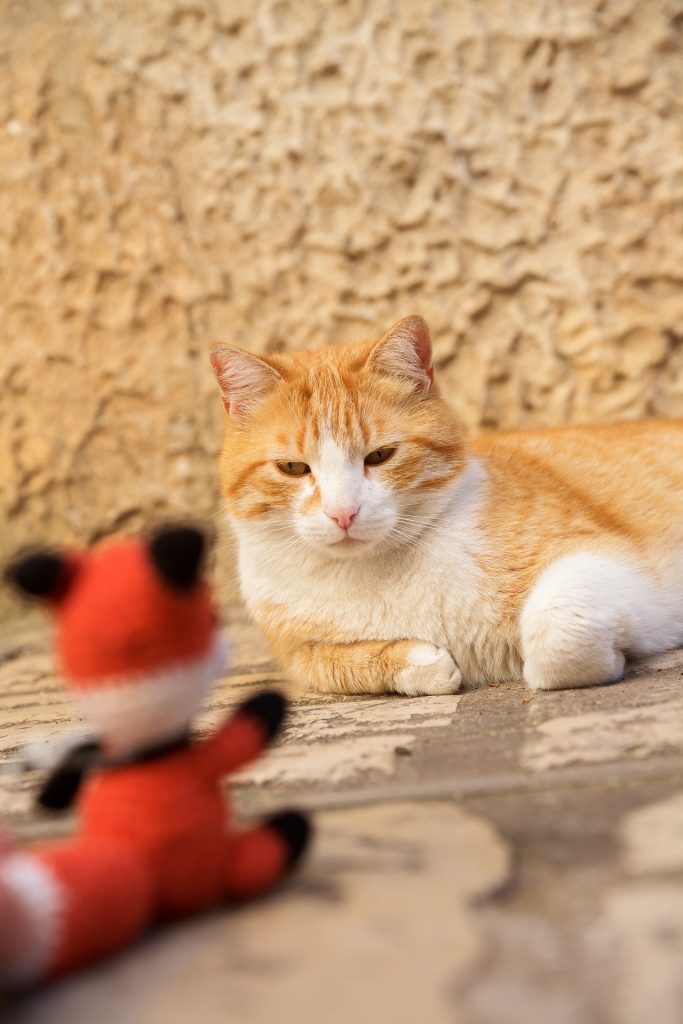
(251, 728)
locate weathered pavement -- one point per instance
(487, 858)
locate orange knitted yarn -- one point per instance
(117, 620)
(155, 843)
(137, 638)
(105, 893)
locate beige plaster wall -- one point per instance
(299, 172)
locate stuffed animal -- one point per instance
(139, 645)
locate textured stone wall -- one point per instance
(299, 172)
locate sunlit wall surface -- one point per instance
(283, 174)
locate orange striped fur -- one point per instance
(554, 553)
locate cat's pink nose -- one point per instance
(343, 516)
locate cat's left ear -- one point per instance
(243, 378)
(406, 351)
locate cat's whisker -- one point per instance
(220, 548)
(418, 524)
(278, 530)
(409, 518)
(421, 528)
(407, 540)
(414, 527)
(426, 520)
(213, 515)
(285, 544)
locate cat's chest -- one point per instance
(366, 605)
(422, 595)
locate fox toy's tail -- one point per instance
(67, 905)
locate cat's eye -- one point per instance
(293, 468)
(379, 456)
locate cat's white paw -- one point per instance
(430, 671)
(575, 621)
(589, 667)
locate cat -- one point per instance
(381, 551)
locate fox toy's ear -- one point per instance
(42, 574)
(405, 351)
(177, 553)
(244, 379)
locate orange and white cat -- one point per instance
(383, 552)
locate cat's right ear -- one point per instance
(405, 351)
(243, 378)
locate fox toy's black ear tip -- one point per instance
(177, 553)
(37, 573)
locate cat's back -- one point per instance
(625, 479)
(620, 438)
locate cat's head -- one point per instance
(347, 449)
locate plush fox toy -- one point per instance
(138, 642)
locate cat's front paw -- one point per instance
(430, 671)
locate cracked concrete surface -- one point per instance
(497, 856)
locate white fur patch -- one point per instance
(428, 588)
(421, 653)
(43, 753)
(344, 485)
(588, 611)
(129, 713)
(43, 899)
(339, 476)
(431, 671)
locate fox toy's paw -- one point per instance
(295, 830)
(270, 708)
(261, 857)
